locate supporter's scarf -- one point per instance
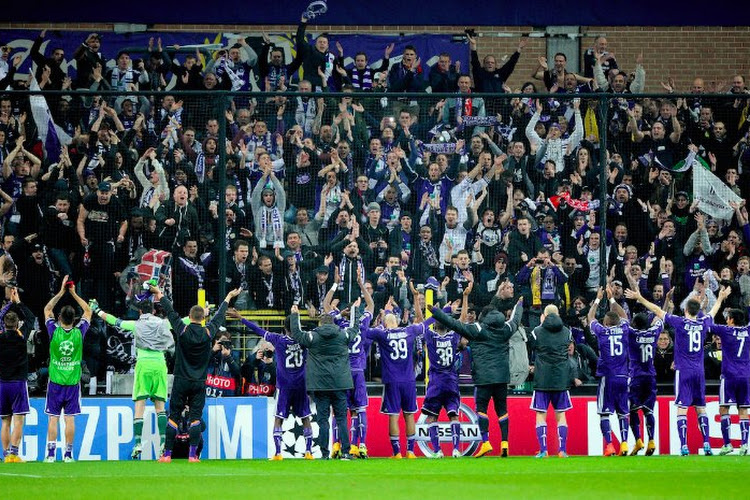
(272, 214)
(580, 205)
(692, 160)
(439, 147)
(200, 167)
(357, 262)
(429, 253)
(194, 268)
(362, 81)
(269, 287)
(590, 126)
(480, 121)
(295, 284)
(237, 82)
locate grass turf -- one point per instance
(576, 477)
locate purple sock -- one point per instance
(307, 432)
(635, 424)
(744, 429)
(193, 451)
(434, 439)
(456, 434)
(354, 430)
(562, 431)
(623, 428)
(69, 450)
(167, 453)
(335, 431)
(396, 445)
(362, 426)
(484, 426)
(682, 429)
(410, 439)
(541, 435)
(650, 425)
(13, 450)
(51, 447)
(277, 432)
(726, 422)
(606, 429)
(703, 424)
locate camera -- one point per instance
(268, 353)
(470, 32)
(227, 344)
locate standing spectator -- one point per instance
(595, 53)
(317, 61)
(87, 58)
(268, 202)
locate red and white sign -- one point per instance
(584, 435)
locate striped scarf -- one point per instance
(272, 215)
(362, 79)
(274, 75)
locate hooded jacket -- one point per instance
(550, 342)
(488, 342)
(327, 347)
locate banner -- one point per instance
(713, 195)
(428, 47)
(241, 428)
(235, 428)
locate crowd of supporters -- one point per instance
(504, 192)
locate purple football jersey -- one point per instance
(397, 351)
(613, 348)
(442, 350)
(689, 338)
(735, 351)
(359, 347)
(290, 361)
(641, 350)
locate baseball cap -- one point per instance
(321, 270)
(104, 187)
(373, 206)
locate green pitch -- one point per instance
(584, 477)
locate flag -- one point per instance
(51, 135)
(713, 195)
(692, 160)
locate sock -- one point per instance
(650, 425)
(354, 431)
(194, 431)
(726, 422)
(161, 424)
(396, 445)
(277, 432)
(335, 430)
(137, 430)
(682, 429)
(541, 435)
(703, 424)
(170, 437)
(362, 426)
(562, 431)
(635, 425)
(624, 428)
(503, 421)
(13, 450)
(606, 429)
(410, 439)
(307, 432)
(51, 447)
(69, 450)
(456, 434)
(484, 426)
(744, 429)
(434, 439)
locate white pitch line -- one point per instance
(20, 475)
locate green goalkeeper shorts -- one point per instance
(150, 380)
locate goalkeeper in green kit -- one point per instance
(153, 338)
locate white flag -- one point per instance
(714, 196)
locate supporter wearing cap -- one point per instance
(401, 241)
(102, 222)
(316, 289)
(375, 235)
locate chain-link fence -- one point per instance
(284, 193)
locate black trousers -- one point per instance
(499, 395)
(186, 393)
(324, 401)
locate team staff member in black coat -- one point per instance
(327, 371)
(549, 343)
(193, 352)
(490, 367)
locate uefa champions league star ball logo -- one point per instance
(470, 435)
(66, 348)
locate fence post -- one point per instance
(221, 171)
(603, 109)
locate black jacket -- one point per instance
(488, 340)
(549, 341)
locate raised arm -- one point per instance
(50, 307)
(82, 303)
(723, 294)
(613, 305)
(592, 309)
(302, 337)
(635, 295)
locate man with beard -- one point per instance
(177, 221)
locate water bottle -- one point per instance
(145, 293)
(86, 257)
